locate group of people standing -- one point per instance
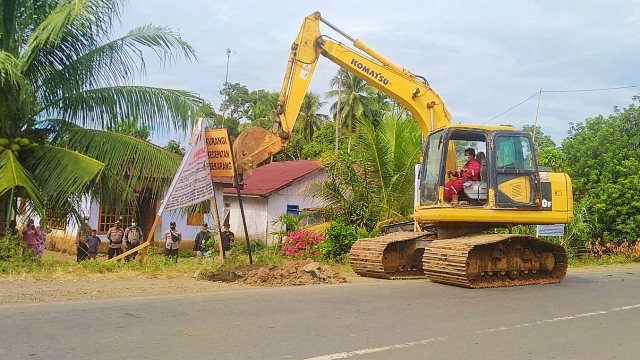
(204, 244)
(33, 236)
(119, 240)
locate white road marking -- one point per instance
(348, 354)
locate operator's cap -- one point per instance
(205, 224)
(173, 223)
(118, 222)
(94, 230)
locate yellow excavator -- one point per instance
(449, 243)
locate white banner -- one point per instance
(192, 183)
(551, 230)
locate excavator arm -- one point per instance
(255, 145)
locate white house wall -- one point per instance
(255, 211)
(265, 211)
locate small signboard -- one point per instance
(550, 230)
(219, 153)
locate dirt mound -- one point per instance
(295, 273)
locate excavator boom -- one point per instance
(255, 145)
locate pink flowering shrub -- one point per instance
(301, 243)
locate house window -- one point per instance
(56, 219)
(109, 214)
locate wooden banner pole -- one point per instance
(216, 216)
(150, 237)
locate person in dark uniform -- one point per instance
(82, 251)
(227, 237)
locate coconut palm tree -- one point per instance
(62, 80)
(373, 183)
(309, 119)
(354, 104)
(260, 114)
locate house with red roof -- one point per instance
(269, 192)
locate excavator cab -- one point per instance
(509, 176)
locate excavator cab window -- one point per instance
(517, 178)
(431, 168)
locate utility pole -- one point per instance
(226, 81)
(338, 109)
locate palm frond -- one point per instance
(10, 75)
(84, 22)
(62, 173)
(163, 108)
(131, 164)
(13, 176)
(116, 62)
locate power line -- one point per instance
(513, 107)
(587, 90)
(559, 91)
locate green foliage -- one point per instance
(131, 128)
(175, 147)
(14, 253)
(288, 223)
(541, 141)
(309, 119)
(337, 241)
(553, 158)
(359, 101)
(236, 100)
(374, 181)
(603, 158)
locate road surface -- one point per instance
(587, 316)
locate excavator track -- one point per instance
(394, 256)
(494, 260)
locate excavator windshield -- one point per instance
(431, 167)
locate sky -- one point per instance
(481, 57)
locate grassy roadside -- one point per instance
(64, 267)
(603, 261)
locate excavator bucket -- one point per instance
(249, 147)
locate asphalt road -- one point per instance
(587, 316)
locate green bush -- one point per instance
(338, 241)
(15, 254)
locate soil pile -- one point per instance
(306, 272)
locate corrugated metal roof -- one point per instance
(275, 176)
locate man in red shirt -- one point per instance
(470, 171)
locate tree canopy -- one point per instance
(602, 158)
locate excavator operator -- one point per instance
(470, 172)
